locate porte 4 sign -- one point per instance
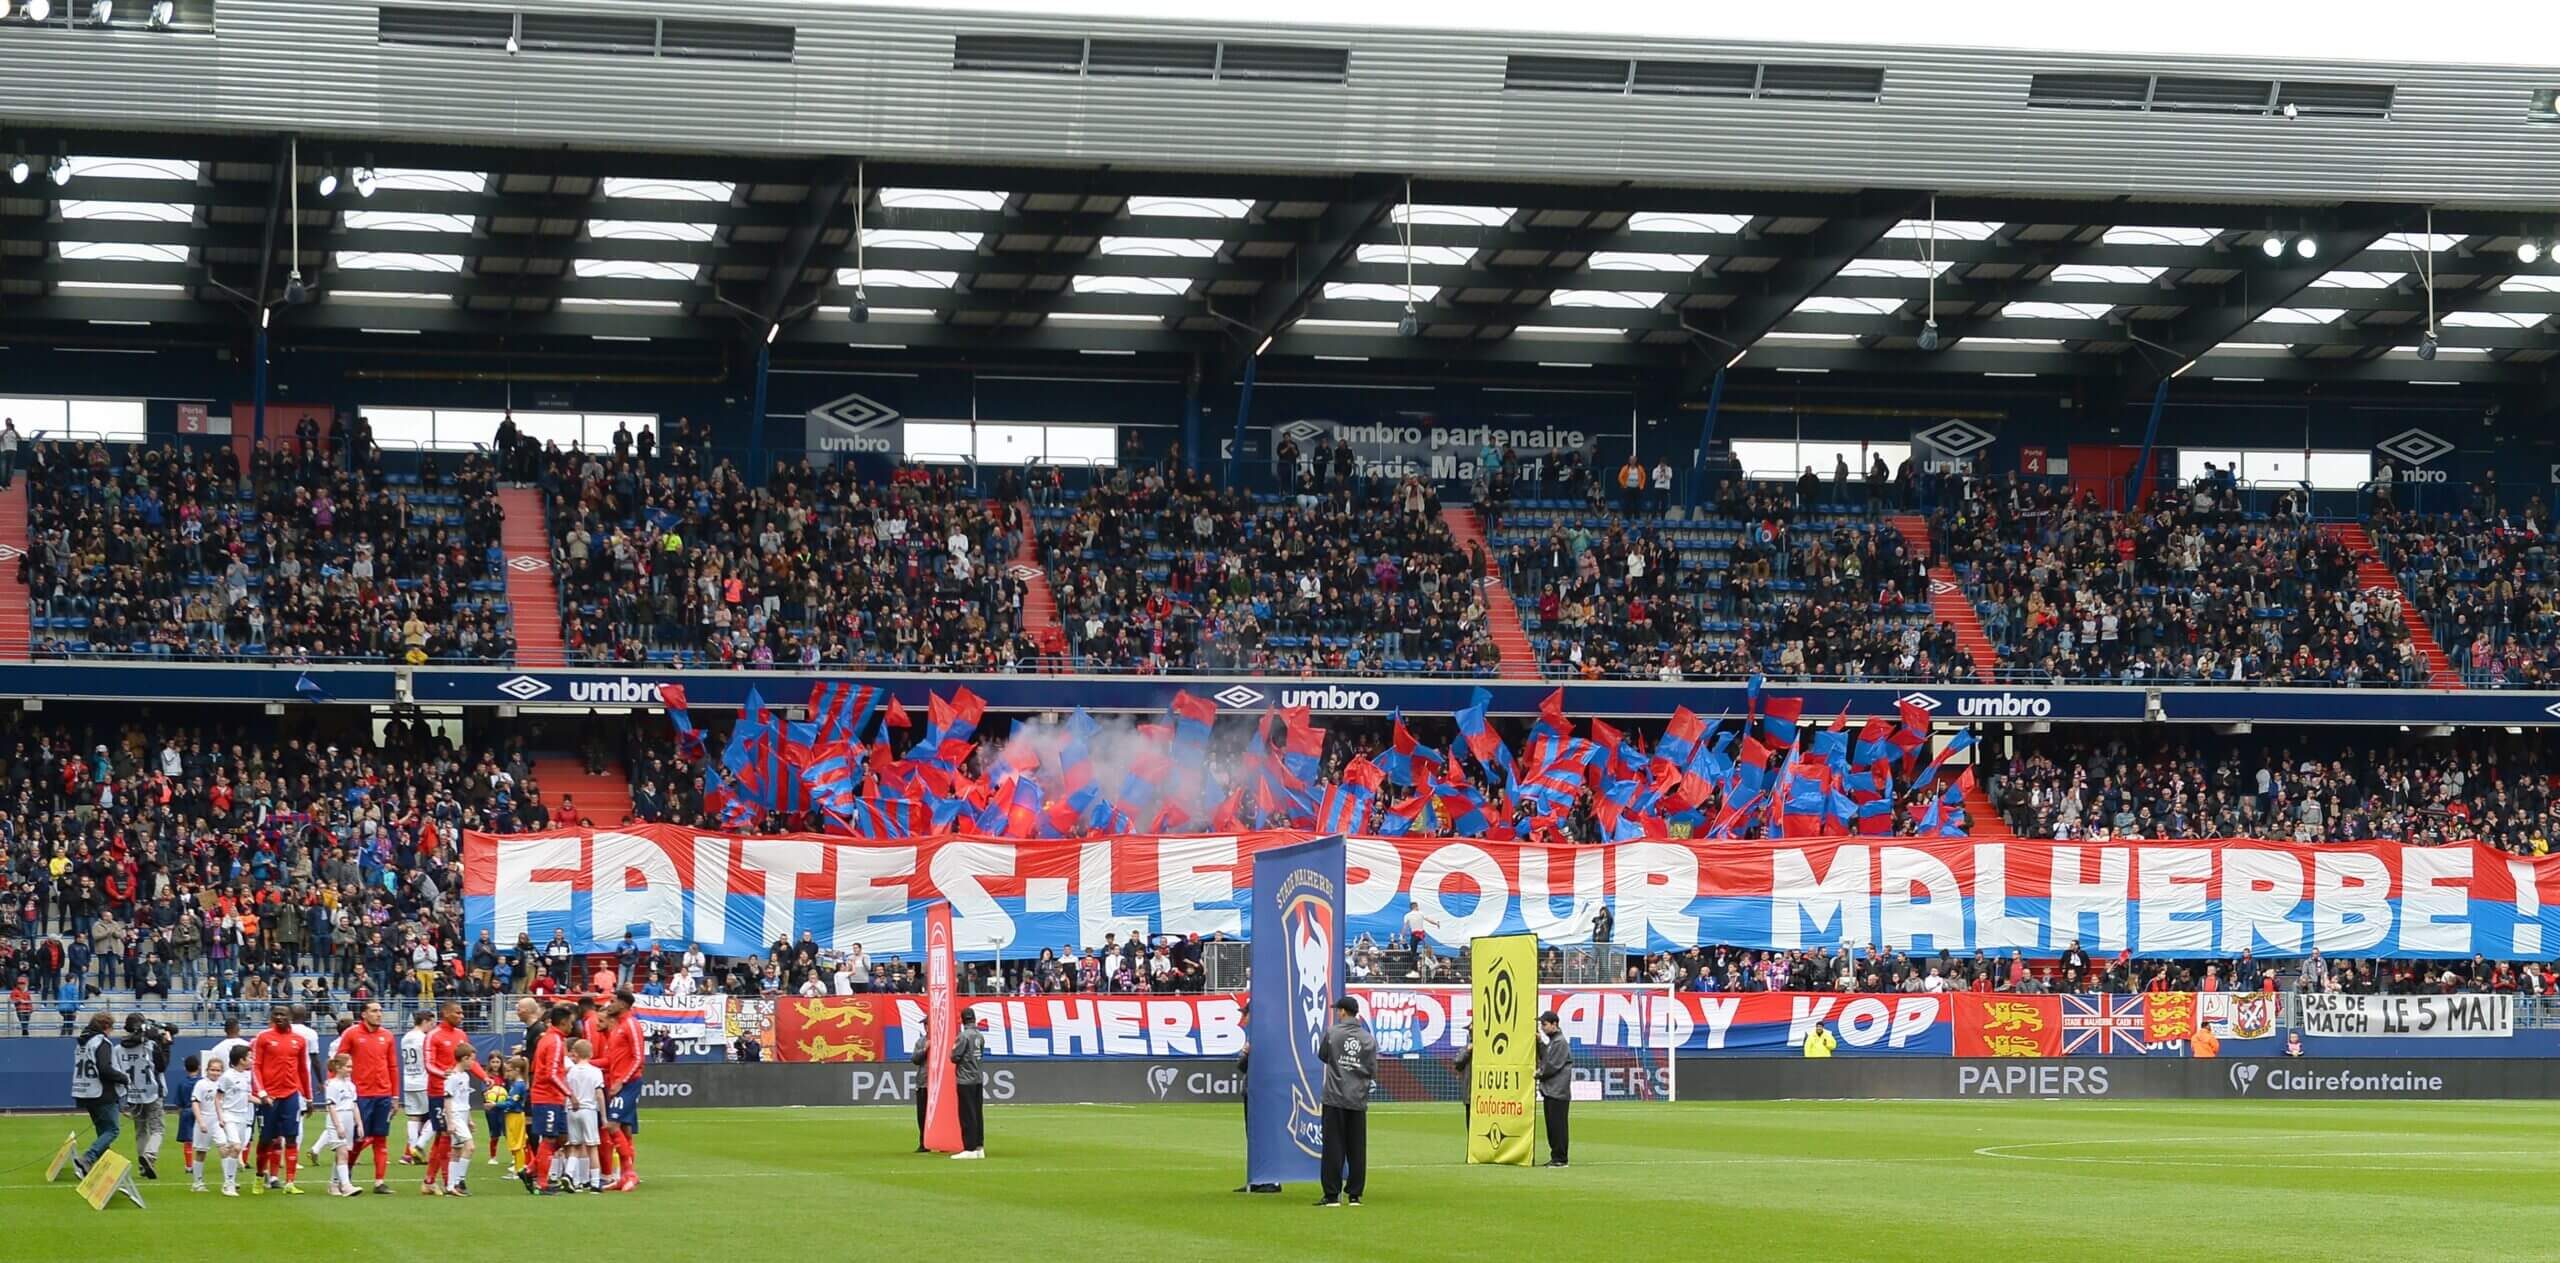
(735, 895)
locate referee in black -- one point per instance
(924, 1077)
(1555, 1087)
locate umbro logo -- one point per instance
(527, 565)
(855, 412)
(1023, 572)
(1954, 439)
(1238, 697)
(1918, 701)
(523, 688)
(1302, 432)
(2413, 447)
(11, 552)
(1944, 587)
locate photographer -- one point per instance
(143, 1058)
(97, 1086)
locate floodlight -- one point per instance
(861, 306)
(328, 183)
(1929, 336)
(17, 164)
(2529, 252)
(364, 180)
(39, 10)
(164, 14)
(2273, 246)
(58, 170)
(2427, 347)
(1411, 325)
(2307, 246)
(103, 12)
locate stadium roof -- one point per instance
(492, 241)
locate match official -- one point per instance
(924, 1077)
(1555, 1087)
(1464, 1066)
(1244, 1078)
(970, 1078)
(1350, 1055)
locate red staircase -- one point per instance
(533, 593)
(1947, 601)
(1039, 604)
(604, 799)
(2372, 575)
(1985, 821)
(15, 630)
(1519, 657)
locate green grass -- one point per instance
(1840, 1182)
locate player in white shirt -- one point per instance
(319, 1056)
(235, 1107)
(586, 1110)
(415, 1093)
(339, 1134)
(218, 1058)
(204, 1118)
(458, 1104)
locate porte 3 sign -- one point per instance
(735, 895)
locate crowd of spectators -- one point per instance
(2190, 589)
(2306, 788)
(661, 561)
(2482, 580)
(217, 866)
(1156, 571)
(178, 551)
(1758, 582)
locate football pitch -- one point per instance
(1837, 1181)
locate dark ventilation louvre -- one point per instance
(2090, 92)
(456, 28)
(1830, 83)
(1026, 54)
(2336, 100)
(2227, 96)
(727, 41)
(1697, 78)
(563, 33)
(1565, 74)
(1290, 62)
(1161, 58)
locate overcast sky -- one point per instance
(2504, 32)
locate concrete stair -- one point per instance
(16, 625)
(2372, 575)
(533, 592)
(605, 799)
(1947, 600)
(1502, 616)
(1039, 603)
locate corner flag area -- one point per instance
(1832, 1181)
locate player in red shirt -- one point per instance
(547, 1098)
(279, 1070)
(620, 1056)
(376, 1054)
(441, 1042)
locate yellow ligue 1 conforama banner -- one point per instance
(1502, 1062)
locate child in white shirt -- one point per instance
(586, 1107)
(235, 1105)
(457, 1106)
(338, 1097)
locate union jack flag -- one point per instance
(2104, 1026)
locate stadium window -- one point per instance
(938, 443)
(958, 442)
(462, 429)
(2192, 462)
(107, 420)
(1084, 445)
(2340, 471)
(1784, 460)
(2268, 469)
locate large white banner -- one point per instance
(2410, 1016)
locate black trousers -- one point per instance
(1559, 1126)
(973, 1116)
(1346, 1152)
(921, 1102)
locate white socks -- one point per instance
(230, 1171)
(417, 1135)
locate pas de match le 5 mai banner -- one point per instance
(736, 895)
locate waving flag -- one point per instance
(842, 711)
(1778, 716)
(1679, 741)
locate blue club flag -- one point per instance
(1297, 930)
